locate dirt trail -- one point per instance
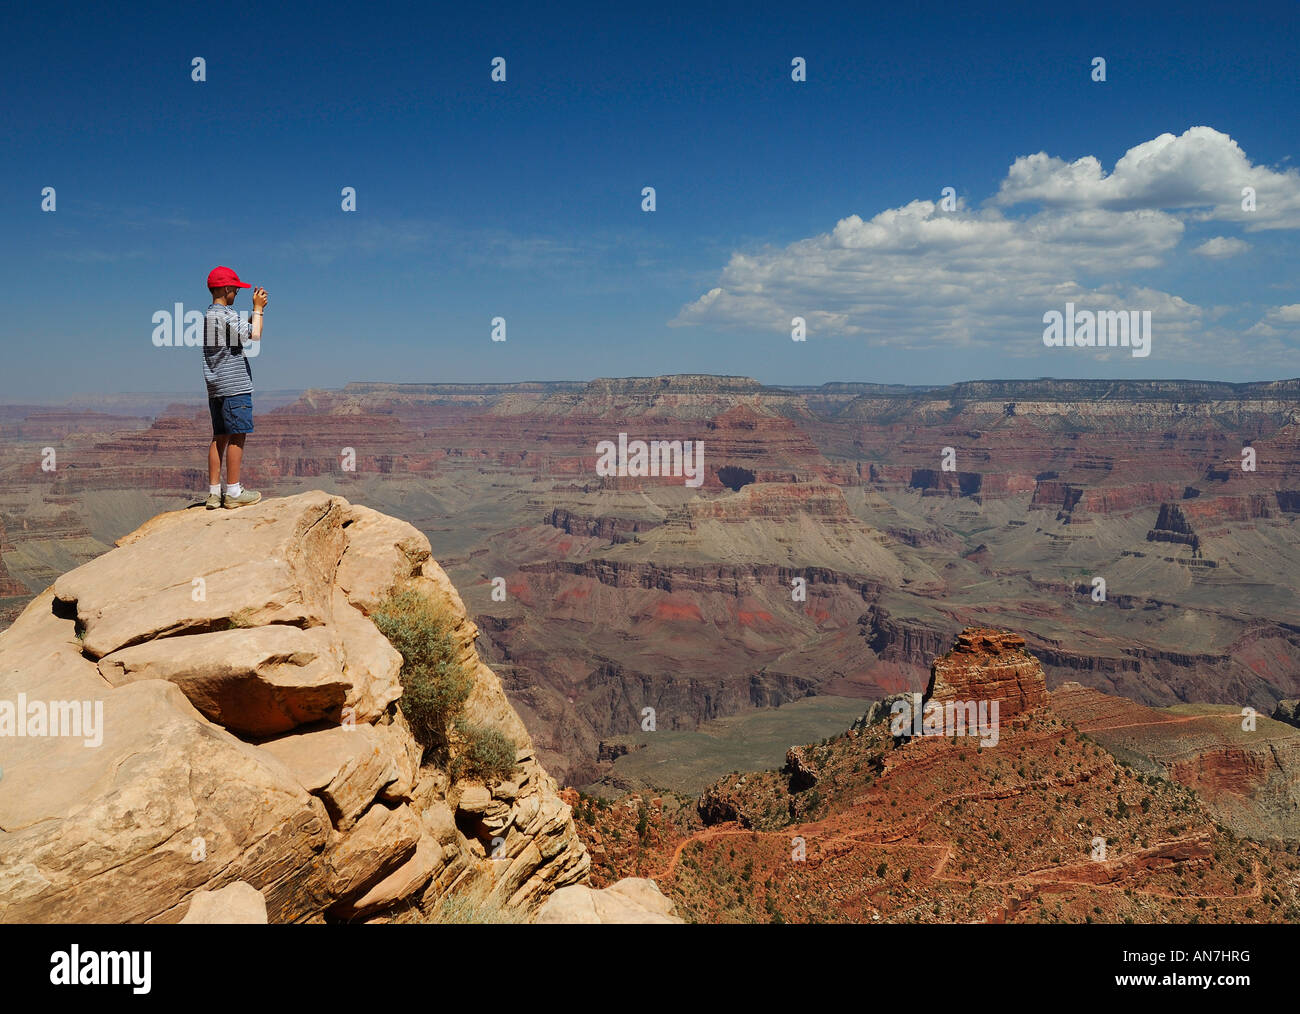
(1088, 730)
(843, 829)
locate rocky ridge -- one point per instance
(248, 731)
(1088, 808)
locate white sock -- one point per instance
(234, 489)
(214, 490)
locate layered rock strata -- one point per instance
(216, 706)
(989, 665)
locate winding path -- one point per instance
(840, 830)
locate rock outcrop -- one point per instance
(235, 904)
(210, 704)
(1288, 711)
(802, 771)
(989, 665)
(631, 900)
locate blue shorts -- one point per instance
(233, 414)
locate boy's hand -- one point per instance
(259, 298)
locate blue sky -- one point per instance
(522, 199)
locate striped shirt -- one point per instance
(226, 369)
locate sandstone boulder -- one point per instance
(633, 900)
(273, 562)
(212, 704)
(474, 800)
(237, 903)
(382, 840)
(372, 667)
(259, 680)
(404, 882)
(166, 805)
(381, 551)
(347, 767)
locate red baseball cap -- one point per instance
(221, 277)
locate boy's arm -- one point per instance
(260, 300)
(253, 331)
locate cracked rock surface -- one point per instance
(251, 733)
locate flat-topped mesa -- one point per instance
(782, 502)
(675, 383)
(987, 664)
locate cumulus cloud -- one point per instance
(920, 277)
(1281, 323)
(1221, 246)
(917, 276)
(1200, 169)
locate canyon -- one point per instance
(250, 760)
(840, 539)
(1088, 809)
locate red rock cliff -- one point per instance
(989, 665)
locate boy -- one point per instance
(229, 378)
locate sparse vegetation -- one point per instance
(973, 845)
(436, 685)
(486, 752)
(237, 620)
(476, 905)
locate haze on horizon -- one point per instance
(522, 199)
(149, 402)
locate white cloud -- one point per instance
(917, 276)
(1221, 246)
(1281, 323)
(1200, 169)
(920, 278)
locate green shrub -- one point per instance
(435, 685)
(487, 752)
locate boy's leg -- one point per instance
(237, 419)
(234, 457)
(216, 450)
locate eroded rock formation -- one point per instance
(631, 900)
(236, 720)
(989, 665)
